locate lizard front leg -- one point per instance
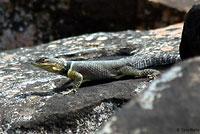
(78, 79)
(131, 71)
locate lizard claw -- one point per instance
(69, 91)
(74, 90)
(153, 76)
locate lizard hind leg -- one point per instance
(131, 71)
(151, 73)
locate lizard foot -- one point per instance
(69, 91)
(153, 76)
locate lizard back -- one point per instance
(110, 68)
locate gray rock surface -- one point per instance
(170, 105)
(30, 99)
(182, 5)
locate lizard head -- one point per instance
(50, 64)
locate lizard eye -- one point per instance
(43, 60)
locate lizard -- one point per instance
(137, 66)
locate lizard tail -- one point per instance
(148, 60)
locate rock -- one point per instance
(30, 99)
(169, 105)
(182, 5)
(190, 43)
(28, 23)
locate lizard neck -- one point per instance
(66, 68)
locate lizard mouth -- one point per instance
(49, 65)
